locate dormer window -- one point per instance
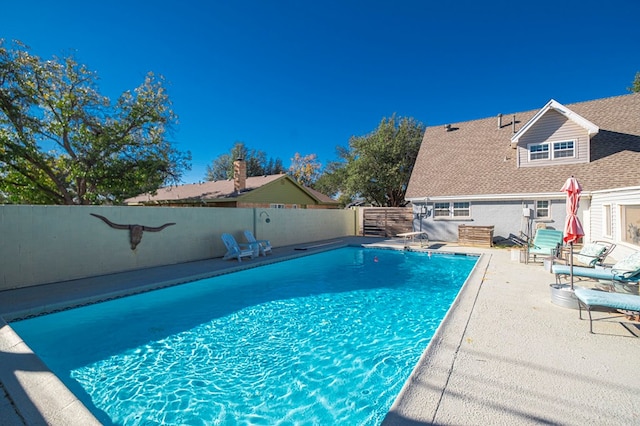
(538, 151)
(563, 149)
(551, 150)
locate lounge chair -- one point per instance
(594, 253)
(588, 299)
(626, 270)
(264, 246)
(237, 251)
(546, 242)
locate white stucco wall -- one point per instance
(41, 244)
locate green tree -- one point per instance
(220, 169)
(257, 164)
(64, 143)
(376, 167)
(274, 167)
(305, 169)
(635, 86)
(331, 181)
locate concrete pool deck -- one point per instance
(504, 354)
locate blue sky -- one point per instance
(304, 76)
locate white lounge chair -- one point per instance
(237, 251)
(264, 246)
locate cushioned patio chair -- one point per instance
(264, 246)
(546, 242)
(588, 299)
(626, 270)
(594, 253)
(237, 251)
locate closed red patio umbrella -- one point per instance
(572, 227)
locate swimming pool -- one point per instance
(327, 338)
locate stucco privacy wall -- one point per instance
(42, 244)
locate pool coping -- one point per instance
(36, 395)
(438, 358)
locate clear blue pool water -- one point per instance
(323, 339)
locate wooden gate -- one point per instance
(386, 221)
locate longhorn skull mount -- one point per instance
(135, 231)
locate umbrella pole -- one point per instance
(571, 263)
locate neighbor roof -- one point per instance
(323, 198)
(475, 157)
(221, 190)
(204, 191)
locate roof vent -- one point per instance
(499, 121)
(447, 127)
(514, 123)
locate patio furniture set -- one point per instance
(616, 285)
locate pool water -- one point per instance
(328, 338)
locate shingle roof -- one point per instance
(217, 190)
(476, 158)
(320, 196)
(206, 191)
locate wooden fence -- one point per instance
(387, 221)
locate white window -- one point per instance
(539, 151)
(441, 210)
(563, 149)
(607, 228)
(276, 206)
(452, 210)
(542, 209)
(461, 210)
(550, 151)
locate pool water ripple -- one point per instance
(301, 342)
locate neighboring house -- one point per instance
(275, 191)
(507, 171)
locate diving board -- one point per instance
(410, 238)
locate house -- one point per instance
(275, 191)
(507, 171)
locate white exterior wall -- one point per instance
(42, 244)
(614, 198)
(506, 216)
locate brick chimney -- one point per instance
(239, 175)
